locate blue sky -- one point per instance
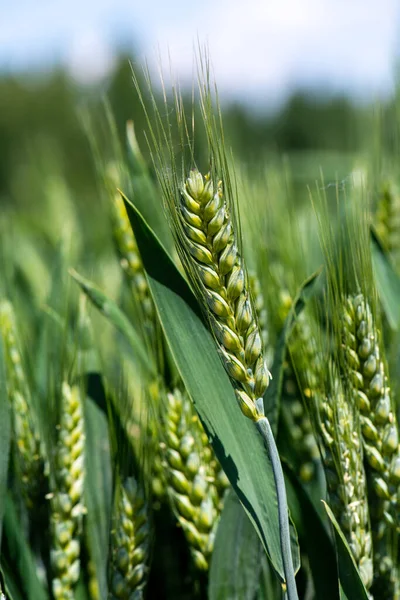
(260, 49)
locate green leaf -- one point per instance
(5, 435)
(234, 438)
(19, 556)
(269, 586)
(272, 397)
(98, 489)
(310, 527)
(236, 559)
(115, 315)
(349, 576)
(387, 282)
(8, 584)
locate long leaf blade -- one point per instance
(350, 580)
(236, 559)
(115, 315)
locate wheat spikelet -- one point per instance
(31, 465)
(67, 503)
(379, 429)
(130, 542)
(209, 252)
(190, 477)
(338, 425)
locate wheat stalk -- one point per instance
(67, 502)
(130, 542)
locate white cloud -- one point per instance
(90, 57)
(268, 46)
(258, 47)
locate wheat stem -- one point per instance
(265, 430)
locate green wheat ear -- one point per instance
(193, 486)
(339, 431)
(130, 542)
(67, 501)
(208, 246)
(29, 449)
(380, 434)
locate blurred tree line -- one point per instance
(46, 109)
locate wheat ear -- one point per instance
(31, 464)
(130, 542)
(338, 425)
(361, 345)
(67, 502)
(189, 476)
(213, 261)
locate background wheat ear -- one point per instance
(193, 486)
(337, 423)
(28, 446)
(67, 495)
(130, 541)
(379, 429)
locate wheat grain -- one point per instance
(130, 542)
(67, 503)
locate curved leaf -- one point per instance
(115, 315)
(236, 559)
(19, 556)
(234, 438)
(98, 489)
(350, 581)
(309, 524)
